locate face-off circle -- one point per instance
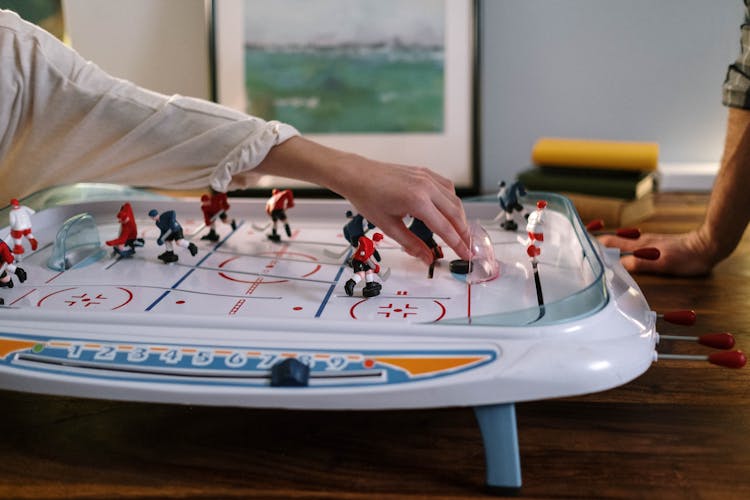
(108, 298)
(295, 269)
(397, 309)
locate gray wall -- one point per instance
(646, 70)
(161, 45)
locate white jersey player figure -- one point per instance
(535, 230)
(20, 226)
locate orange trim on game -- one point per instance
(9, 346)
(429, 365)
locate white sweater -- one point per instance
(63, 120)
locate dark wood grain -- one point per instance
(681, 430)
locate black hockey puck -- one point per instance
(460, 266)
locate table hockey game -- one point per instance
(210, 329)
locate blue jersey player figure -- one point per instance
(508, 198)
(170, 232)
(357, 226)
(425, 234)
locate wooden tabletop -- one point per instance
(682, 430)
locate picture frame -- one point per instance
(435, 123)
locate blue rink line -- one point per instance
(333, 285)
(216, 247)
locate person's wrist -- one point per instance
(340, 173)
(706, 247)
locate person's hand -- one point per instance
(681, 254)
(385, 193)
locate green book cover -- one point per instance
(611, 183)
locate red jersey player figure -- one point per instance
(7, 266)
(364, 266)
(276, 207)
(124, 245)
(535, 229)
(215, 207)
(20, 226)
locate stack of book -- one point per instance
(609, 180)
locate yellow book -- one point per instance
(615, 155)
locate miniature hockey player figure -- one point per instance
(425, 234)
(507, 197)
(535, 229)
(364, 266)
(356, 226)
(276, 207)
(215, 207)
(170, 231)
(7, 266)
(124, 245)
(20, 226)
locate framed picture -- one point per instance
(393, 80)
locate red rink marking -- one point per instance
(407, 310)
(255, 284)
(297, 308)
(53, 277)
(404, 312)
(267, 267)
(86, 301)
(23, 296)
(237, 307)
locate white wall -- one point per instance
(158, 44)
(646, 70)
(609, 69)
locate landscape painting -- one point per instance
(346, 66)
(393, 80)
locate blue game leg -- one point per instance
(503, 462)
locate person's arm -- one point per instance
(64, 120)
(727, 215)
(383, 193)
(729, 207)
(728, 212)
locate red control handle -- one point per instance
(717, 340)
(595, 225)
(631, 233)
(648, 253)
(728, 359)
(686, 317)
